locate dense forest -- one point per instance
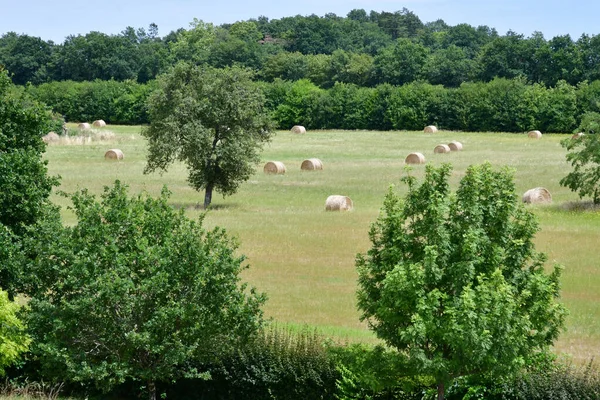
(367, 56)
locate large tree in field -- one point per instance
(453, 281)
(135, 291)
(213, 120)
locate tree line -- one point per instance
(364, 49)
(509, 105)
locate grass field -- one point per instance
(303, 257)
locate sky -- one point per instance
(55, 20)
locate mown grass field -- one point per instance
(303, 257)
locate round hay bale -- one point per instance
(50, 137)
(274, 167)
(441, 148)
(84, 126)
(338, 203)
(577, 135)
(415, 158)
(311, 164)
(455, 146)
(537, 195)
(99, 123)
(535, 134)
(430, 129)
(298, 129)
(114, 154)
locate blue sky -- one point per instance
(54, 20)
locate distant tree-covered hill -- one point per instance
(366, 49)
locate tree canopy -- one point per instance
(214, 120)
(24, 178)
(134, 291)
(453, 281)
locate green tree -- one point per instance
(453, 281)
(449, 67)
(300, 105)
(26, 57)
(135, 291)
(25, 183)
(401, 63)
(211, 119)
(584, 155)
(286, 66)
(194, 45)
(13, 339)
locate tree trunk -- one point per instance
(440, 390)
(151, 390)
(208, 195)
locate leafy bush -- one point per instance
(134, 291)
(114, 102)
(584, 155)
(13, 339)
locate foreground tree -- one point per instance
(134, 291)
(583, 153)
(13, 339)
(213, 120)
(453, 280)
(24, 181)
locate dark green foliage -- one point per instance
(583, 153)
(500, 105)
(23, 174)
(401, 63)
(114, 102)
(134, 291)
(278, 364)
(540, 381)
(416, 105)
(26, 57)
(453, 282)
(214, 120)
(300, 106)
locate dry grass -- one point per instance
(294, 246)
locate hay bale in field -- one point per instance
(415, 158)
(441, 148)
(455, 146)
(535, 134)
(311, 164)
(577, 135)
(298, 129)
(50, 137)
(537, 195)
(338, 203)
(84, 126)
(274, 167)
(430, 129)
(99, 123)
(114, 154)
